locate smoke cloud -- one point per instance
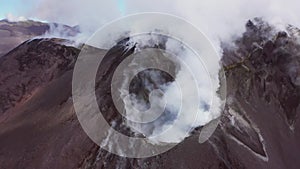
(219, 20)
(184, 109)
(12, 18)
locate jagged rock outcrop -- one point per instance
(263, 97)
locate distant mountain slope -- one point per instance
(13, 34)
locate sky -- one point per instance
(15, 7)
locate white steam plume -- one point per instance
(218, 19)
(174, 126)
(12, 18)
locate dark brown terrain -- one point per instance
(259, 127)
(12, 34)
